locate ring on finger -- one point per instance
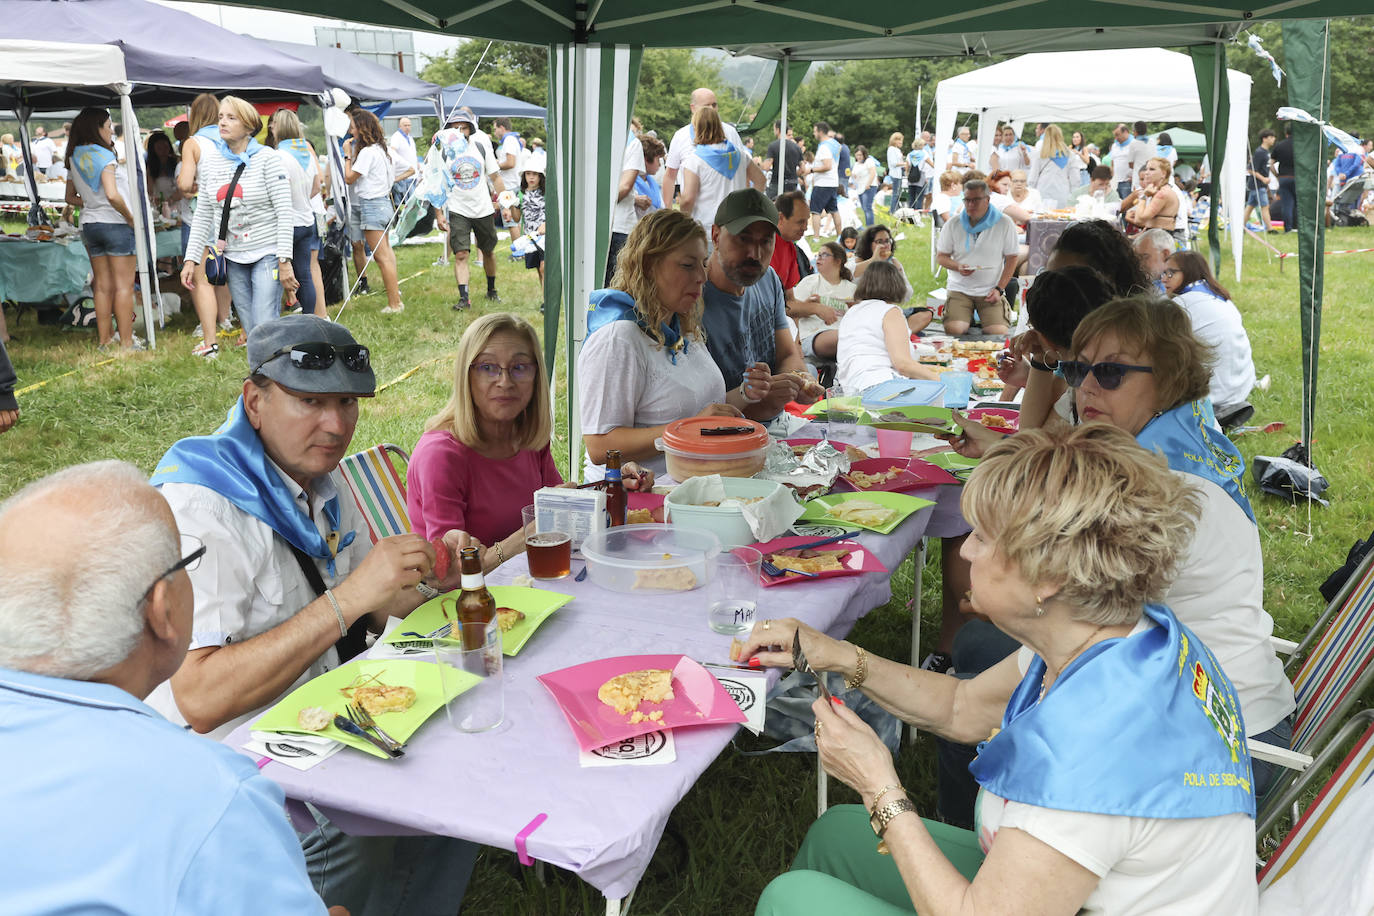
(818, 730)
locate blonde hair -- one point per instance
(1088, 510)
(459, 416)
(204, 111)
(1053, 143)
(1164, 166)
(950, 180)
(244, 111)
(706, 123)
(896, 139)
(651, 240)
(1160, 330)
(284, 125)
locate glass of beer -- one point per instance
(548, 552)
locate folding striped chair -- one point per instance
(379, 489)
(1356, 770)
(1331, 671)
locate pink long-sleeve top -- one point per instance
(449, 485)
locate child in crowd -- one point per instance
(849, 238)
(532, 211)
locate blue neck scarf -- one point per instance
(1122, 145)
(231, 461)
(1146, 726)
(90, 160)
(973, 230)
(1192, 445)
(300, 151)
(1164, 151)
(1200, 286)
(1061, 160)
(610, 305)
(245, 157)
(648, 186)
(722, 157)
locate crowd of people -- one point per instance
(1109, 560)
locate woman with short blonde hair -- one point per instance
(1058, 171)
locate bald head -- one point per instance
(79, 552)
(703, 98)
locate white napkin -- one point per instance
(299, 752)
(785, 424)
(768, 518)
(642, 750)
(748, 689)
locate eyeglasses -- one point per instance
(192, 549)
(882, 241)
(320, 355)
(824, 254)
(1108, 375)
(1170, 272)
(974, 200)
(491, 372)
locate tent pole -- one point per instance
(36, 214)
(780, 164)
(139, 206)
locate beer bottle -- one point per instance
(616, 504)
(476, 606)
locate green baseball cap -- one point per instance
(741, 209)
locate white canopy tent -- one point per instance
(1133, 84)
(28, 63)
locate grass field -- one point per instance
(743, 821)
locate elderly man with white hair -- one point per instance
(1153, 247)
(120, 810)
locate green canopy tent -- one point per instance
(590, 111)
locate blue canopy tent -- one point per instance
(359, 77)
(484, 104)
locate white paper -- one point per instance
(749, 690)
(652, 749)
(299, 752)
(383, 649)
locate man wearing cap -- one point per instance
(745, 316)
(468, 210)
(289, 568)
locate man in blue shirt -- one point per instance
(111, 807)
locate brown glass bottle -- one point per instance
(476, 606)
(617, 506)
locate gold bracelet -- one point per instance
(878, 796)
(500, 555)
(860, 670)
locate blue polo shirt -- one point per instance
(110, 808)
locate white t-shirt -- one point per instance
(624, 215)
(987, 252)
(626, 379)
(249, 581)
(682, 144)
(403, 152)
(44, 153)
(300, 189)
(510, 145)
(861, 357)
(830, 178)
(374, 167)
(1217, 323)
(713, 187)
(95, 206)
(469, 161)
(863, 175)
(948, 206)
(835, 295)
(896, 162)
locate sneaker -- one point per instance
(139, 344)
(462, 304)
(363, 288)
(388, 310)
(939, 662)
(228, 324)
(198, 333)
(441, 261)
(206, 350)
(492, 297)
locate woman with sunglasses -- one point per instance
(1216, 321)
(484, 454)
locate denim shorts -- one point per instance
(1257, 197)
(368, 216)
(108, 240)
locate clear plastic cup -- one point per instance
(958, 388)
(732, 594)
(482, 706)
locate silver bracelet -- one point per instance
(338, 611)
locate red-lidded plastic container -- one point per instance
(728, 446)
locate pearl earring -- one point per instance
(1039, 606)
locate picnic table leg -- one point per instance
(822, 787)
(621, 906)
(918, 565)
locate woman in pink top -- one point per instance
(484, 454)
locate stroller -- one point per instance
(1345, 206)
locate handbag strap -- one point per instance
(224, 234)
(355, 643)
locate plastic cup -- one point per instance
(482, 706)
(958, 388)
(732, 594)
(548, 553)
(894, 443)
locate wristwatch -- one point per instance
(1001, 290)
(883, 816)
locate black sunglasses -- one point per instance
(320, 355)
(1108, 375)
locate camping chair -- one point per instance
(379, 489)
(1330, 670)
(1354, 772)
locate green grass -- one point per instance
(745, 818)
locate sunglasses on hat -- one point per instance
(1108, 375)
(320, 355)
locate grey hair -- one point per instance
(1159, 239)
(83, 613)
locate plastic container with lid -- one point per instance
(904, 392)
(650, 559)
(728, 446)
(725, 522)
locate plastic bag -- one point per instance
(1288, 478)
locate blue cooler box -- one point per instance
(923, 393)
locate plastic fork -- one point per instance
(363, 719)
(775, 570)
